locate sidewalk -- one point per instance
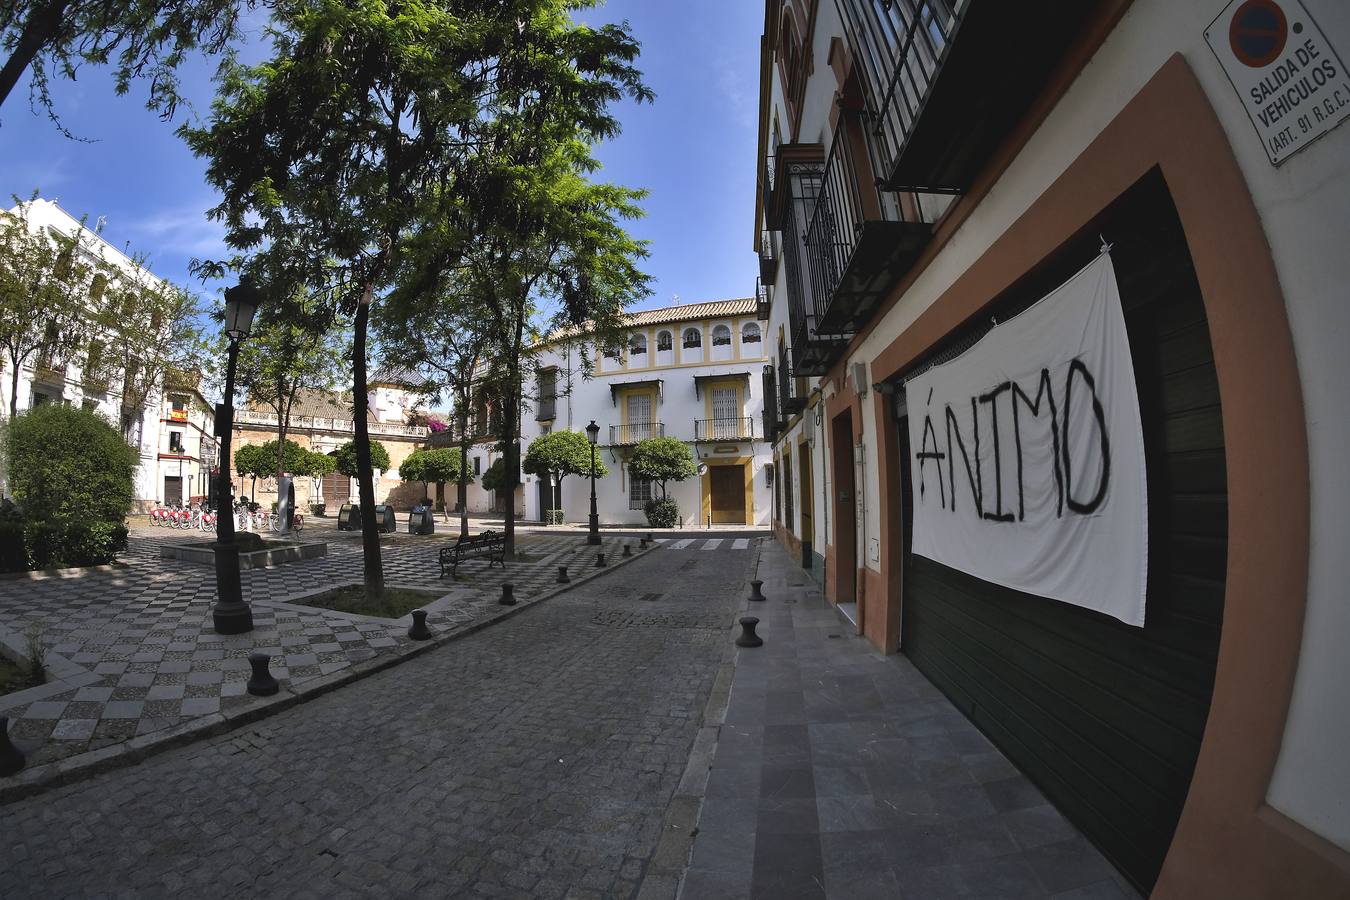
(842, 773)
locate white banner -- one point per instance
(1027, 454)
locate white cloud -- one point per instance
(740, 104)
(181, 230)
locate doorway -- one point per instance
(173, 489)
(726, 491)
(845, 575)
(808, 502)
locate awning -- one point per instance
(616, 387)
(722, 376)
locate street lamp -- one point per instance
(231, 614)
(592, 435)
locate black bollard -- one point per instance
(562, 575)
(508, 595)
(11, 759)
(649, 537)
(419, 631)
(262, 684)
(755, 593)
(748, 637)
(600, 560)
(642, 544)
(627, 550)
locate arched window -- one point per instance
(637, 344)
(750, 333)
(692, 338)
(721, 336)
(664, 341)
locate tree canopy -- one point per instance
(148, 40)
(345, 457)
(662, 459)
(562, 453)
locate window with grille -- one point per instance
(664, 341)
(639, 491)
(721, 336)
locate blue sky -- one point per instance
(693, 149)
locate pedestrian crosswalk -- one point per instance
(704, 543)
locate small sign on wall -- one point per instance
(1287, 74)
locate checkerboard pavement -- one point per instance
(139, 638)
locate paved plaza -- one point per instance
(534, 758)
(132, 652)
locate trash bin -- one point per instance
(349, 517)
(384, 519)
(421, 521)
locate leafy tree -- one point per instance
(250, 460)
(318, 465)
(294, 459)
(662, 459)
(67, 464)
(561, 453)
(446, 464)
(348, 462)
(413, 468)
(44, 277)
(495, 479)
(147, 39)
(293, 349)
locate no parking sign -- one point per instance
(1288, 75)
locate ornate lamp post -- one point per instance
(593, 435)
(231, 614)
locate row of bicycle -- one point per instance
(247, 517)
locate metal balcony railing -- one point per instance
(547, 411)
(790, 399)
(740, 428)
(899, 47)
(771, 420)
(768, 255)
(622, 435)
(763, 300)
(860, 241)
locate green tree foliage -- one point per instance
(43, 282)
(72, 475)
(662, 459)
(295, 460)
(347, 464)
(561, 453)
(320, 464)
(495, 479)
(148, 39)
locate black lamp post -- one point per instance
(593, 435)
(231, 614)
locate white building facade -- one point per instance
(693, 372)
(930, 169)
(65, 381)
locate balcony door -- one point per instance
(639, 424)
(726, 411)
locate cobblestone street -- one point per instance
(534, 758)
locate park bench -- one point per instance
(489, 544)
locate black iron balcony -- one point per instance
(790, 398)
(860, 241)
(625, 435)
(547, 411)
(763, 300)
(768, 255)
(739, 428)
(945, 81)
(770, 411)
(814, 350)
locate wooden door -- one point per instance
(336, 490)
(173, 489)
(727, 494)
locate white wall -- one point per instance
(677, 408)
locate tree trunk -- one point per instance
(14, 392)
(510, 466)
(41, 27)
(365, 478)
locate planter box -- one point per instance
(204, 553)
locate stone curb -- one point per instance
(664, 876)
(66, 771)
(69, 572)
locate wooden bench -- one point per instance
(489, 544)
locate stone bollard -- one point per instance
(642, 544)
(508, 595)
(11, 758)
(262, 684)
(562, 575)
(755, 593)
(627, 551)
(748, 637)
(600, 560)
(419, 631)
